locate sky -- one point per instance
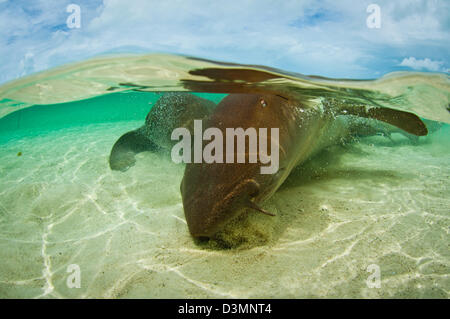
(342, 39)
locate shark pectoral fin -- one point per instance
(406, 121)
(123, 153)
(255, 206)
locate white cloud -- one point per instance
(424, 64)
(328, 38)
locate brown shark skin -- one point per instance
(215, 193)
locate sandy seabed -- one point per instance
(373, 202)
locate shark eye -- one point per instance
(263, 102)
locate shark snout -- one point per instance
(208, 212)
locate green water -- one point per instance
(124, 106)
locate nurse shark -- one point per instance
(213, 194)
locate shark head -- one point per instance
(213, 195)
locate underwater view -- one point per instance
(379, 198)
(117, 178)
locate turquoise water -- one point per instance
(375, 201)
(115, 107)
